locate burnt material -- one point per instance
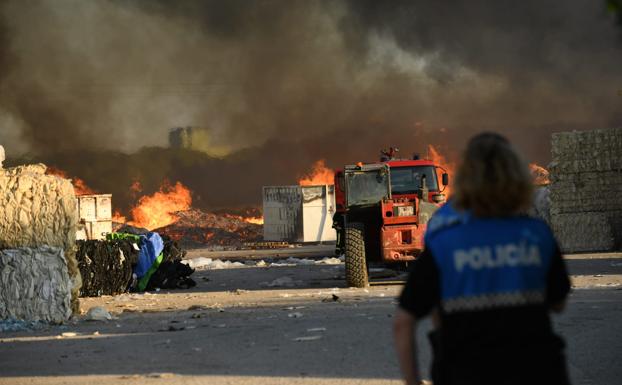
(172, 273)
(106, 266)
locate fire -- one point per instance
(79, 186)
(158, 210)
(118, 217)
(440, 160)
(319, 174)
(255, 220)
(540, 174)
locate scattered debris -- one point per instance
(295, 315)
(160, 375)
(282, 282)
(212, 264)
(198, 307)
(331, 261)
(98, 313)
(291, 261)
(333, 298)
(307, 338)
(172, 328)
(294, 307)
(14, 325)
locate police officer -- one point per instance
(490, 277)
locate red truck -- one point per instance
(382, 211)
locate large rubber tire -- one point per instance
(356, 265)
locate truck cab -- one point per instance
(382, 211)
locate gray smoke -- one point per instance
(279, 84)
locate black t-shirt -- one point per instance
(504, 343)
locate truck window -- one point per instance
(367, 187)
(407, 180)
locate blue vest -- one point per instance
(485, 263)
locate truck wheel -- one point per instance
(356, 265)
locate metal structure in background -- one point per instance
(95, 216)
(299, 213)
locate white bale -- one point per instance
(35, 284)
(39, 210)
(36, 209)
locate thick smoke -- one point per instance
(95, 86)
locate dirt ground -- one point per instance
(280, 324)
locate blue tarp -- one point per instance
(151, 247)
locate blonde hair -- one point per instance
(493, 180)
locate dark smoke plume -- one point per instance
(94, 87)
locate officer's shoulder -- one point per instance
(445, 218)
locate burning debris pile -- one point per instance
(169, 212)
(195, 228)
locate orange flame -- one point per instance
(440, 160)
(319, 174)
(118, 217)
(79, 186)
(158, 210)
(255, 220)
(539, 174)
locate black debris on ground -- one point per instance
(172, 273)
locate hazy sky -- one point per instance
(318, 79)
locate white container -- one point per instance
(95, 207)
(95, 213)
(299, 213)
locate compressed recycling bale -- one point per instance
(105, 266)
(586, 189)
(581, 232)
(37, 210)
(580, 144)
(35, 284)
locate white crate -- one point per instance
(96, 207)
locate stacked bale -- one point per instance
(38, 218)
(106, 266)
(586, 190)
(35, 284)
